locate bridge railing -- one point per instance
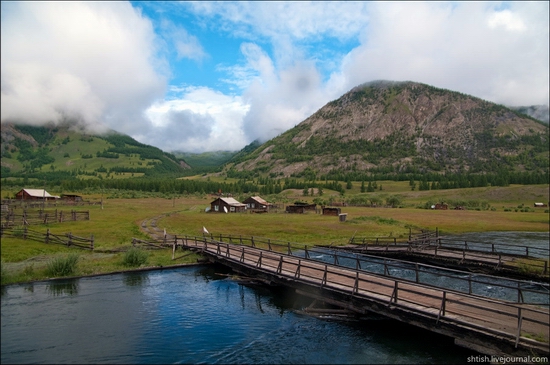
(441, 304)
(535, 258)
(517, 291)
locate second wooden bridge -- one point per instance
(489, 326)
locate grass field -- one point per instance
(114, 226)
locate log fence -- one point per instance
(34, 217)
(67, 239)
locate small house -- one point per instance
(34, 194)
(227, 205)
(331, 211)
(257, 204)
(71, 197)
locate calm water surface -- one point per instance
(193, 315)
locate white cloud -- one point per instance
(199, 120)
(185, 44)
(501, 56)
(279, 99)
(91, 61)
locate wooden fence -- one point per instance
(67, 239)
(49, 203)
(11, 218)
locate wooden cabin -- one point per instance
(301, 208)
(331, 211)
(34, 194)
(256, 203)
(227, 205)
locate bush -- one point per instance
(135, 257)
(62, 266)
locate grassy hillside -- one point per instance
(50, 152)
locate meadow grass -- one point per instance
(114, 226)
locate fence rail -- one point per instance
(34, 217)
(67, 239)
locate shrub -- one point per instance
(134, 257)
(62, 266)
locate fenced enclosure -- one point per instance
(66, 239)
(27, 217)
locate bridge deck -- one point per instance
(511, 322)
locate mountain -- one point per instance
(395, 127)
(66, 151)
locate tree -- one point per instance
(393, 201)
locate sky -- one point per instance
(207, 76)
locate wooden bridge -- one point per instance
(489, 326)
(519, 261)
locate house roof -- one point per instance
(259, 200)
(232, 201)
(39, 193)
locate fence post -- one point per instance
(545, 267)
(289, 251)
(259, 264)
(174, 250)
(47, 239)
(297, 274)
(70, 239)
(416, 271)
(92, 242)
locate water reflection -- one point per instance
(57, 288)
(135, 279)
(193, 315)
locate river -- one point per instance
(193, 315)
